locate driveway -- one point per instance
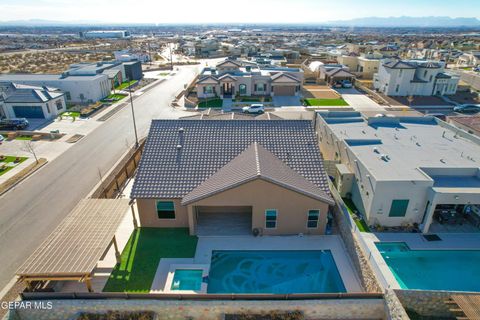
(359, 101)
(286, 101)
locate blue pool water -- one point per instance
(274, 272)
(186, 279)
(456, 270)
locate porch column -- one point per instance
(135, 223)
(191, 219)
(117, 252)
(88, 282)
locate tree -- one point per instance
(29, 147)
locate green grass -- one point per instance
(126, 84)
(9, 159)
(163, 74)
(72, 114)
(361, 224)
(142, 254)
(325, 102)
(211, 103)
(114, 96)
(25, 138)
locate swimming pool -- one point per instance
(455, 270)
(187, 279)
(274, 272)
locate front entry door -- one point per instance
(227, 89)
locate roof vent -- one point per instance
(385, 157)
(181, 130)
(375, 149)
(443, 161)
(179, 146)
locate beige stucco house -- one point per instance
(232, 177)
(244, 78)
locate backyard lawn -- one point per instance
(7, 161)
(313, 102)
(142, 254)
(211, 103)
(361, 224)
(126, 84)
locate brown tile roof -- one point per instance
(255, 162)
(179, 155)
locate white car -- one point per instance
(254, 108)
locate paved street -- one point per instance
(33, 209)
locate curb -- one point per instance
(24, 177)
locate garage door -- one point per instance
(28, 112)
(284, 91)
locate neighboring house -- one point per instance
(128, 55)
(244, 78)
(83, 82)
(364, 66)
(470, 59)
(25, 101)
(400, 170)
(332, 73)
(414, 77)
(245, 176)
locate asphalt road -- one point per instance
(30, 212)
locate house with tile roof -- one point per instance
(26, 101)
(414, 78)
(233, 177)
(231, 77)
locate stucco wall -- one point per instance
(147, 212)
(292, 207)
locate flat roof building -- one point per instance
(400, 170)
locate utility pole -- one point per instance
(133, 115)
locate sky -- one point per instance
(221, 11)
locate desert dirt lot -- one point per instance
(319, 92)
(417, 101)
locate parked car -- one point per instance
(1, 139)
(254, 108)
(337, 85)
(13, 124)
(347, 84)
(467, 108)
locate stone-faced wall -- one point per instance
(360, 261)
(211, 310)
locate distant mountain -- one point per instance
(425, 22)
